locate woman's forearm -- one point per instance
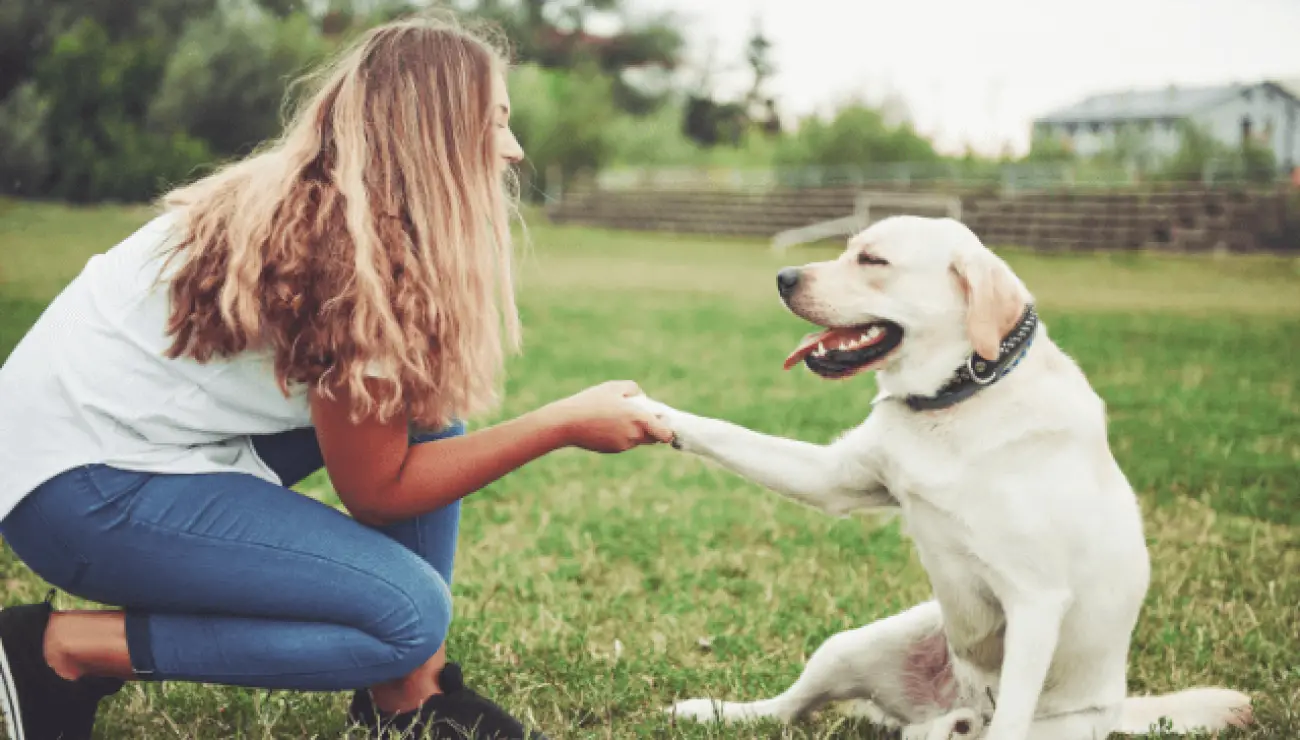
(380, 477)
(437, 473)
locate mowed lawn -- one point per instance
(594, 590)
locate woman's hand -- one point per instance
(601, 419)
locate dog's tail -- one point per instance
(1193, 710)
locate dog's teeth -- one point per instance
(864, 338)
(821, 349)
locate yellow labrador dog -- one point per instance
(991, 443)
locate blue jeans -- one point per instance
(226, 578)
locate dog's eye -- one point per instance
(870, 259)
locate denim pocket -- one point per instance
(112, 485)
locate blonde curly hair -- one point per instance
(367, 249)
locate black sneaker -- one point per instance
(459, 713)
(37, 703)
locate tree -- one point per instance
(25, 160)
(555, 34)
(225, 84)
(857, 136)
(562, 120)
(758, 105)
(80, 113)
(1046, 148)
(710, 123)
(98, 92)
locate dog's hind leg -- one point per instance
(899, 664)
(1093, 724)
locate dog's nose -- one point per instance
(786, 280)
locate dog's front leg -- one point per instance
(816, 475)
(1033, 629)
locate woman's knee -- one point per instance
(416, 617)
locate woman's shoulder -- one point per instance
(139, 257)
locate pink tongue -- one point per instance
(809, 344)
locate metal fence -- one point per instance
(1009, 176)
(1182, 217)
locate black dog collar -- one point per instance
(979, 373)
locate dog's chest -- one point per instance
(915, 458)
(930, 477)
(974, 620)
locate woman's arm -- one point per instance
(381, 478)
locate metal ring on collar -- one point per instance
(974, 376)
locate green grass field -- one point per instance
(593, 590)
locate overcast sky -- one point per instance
(980, 70)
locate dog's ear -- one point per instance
(995, 298)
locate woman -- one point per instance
(317, 303)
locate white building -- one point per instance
(1267, 112)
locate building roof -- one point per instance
(1168, 103)
(1171, 102)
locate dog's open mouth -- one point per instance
(846, 351)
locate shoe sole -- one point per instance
(9, 698)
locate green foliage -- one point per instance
(1195, 151)
(109, 99)
(1199, 157)
(98, 91)
(30, 28)
(657, 140)
(118, 99)
(654, 140)
(710, 122)
(225, 83)
(857, 136)
(561, 119)
(24, 152)
(1045, 148)
(1202, 157)
(553, 34)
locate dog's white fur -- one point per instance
(1028, 530)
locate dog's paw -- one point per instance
(645, 403)
(698, 710)
(671, 417)
(1202, 709)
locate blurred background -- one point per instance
(1133, 160)
(1158, 124)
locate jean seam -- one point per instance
(273, 548)
(262, 546)
(419, 542)
(81, 560)
(139, 643)
(110, 498)
(232, 678)
(156, 675)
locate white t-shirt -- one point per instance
(90, 383)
